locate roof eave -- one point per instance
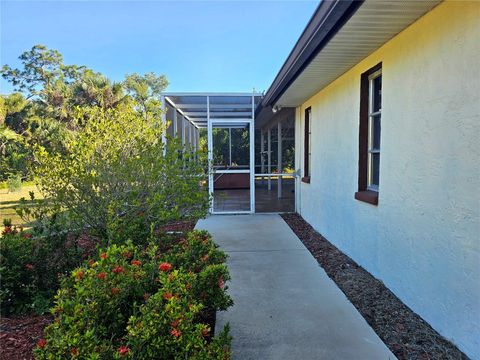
(328, 18)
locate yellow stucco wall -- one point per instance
(423, 238)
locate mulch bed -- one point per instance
(405, 333)
(180, 226)
(18, 336)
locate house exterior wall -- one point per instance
(423, 238)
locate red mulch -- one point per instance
(19, 336)
(405, 333)
(180, 226)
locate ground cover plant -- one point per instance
(139, 302)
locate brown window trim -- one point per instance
(363, 194)
(367, 196)
(306, 148)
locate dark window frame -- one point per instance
(363, 193)
(306, 146)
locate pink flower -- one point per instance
(103, 256)
(123, 350)
(136, 263)
(221, 283)
(102, 275)
(29, 266)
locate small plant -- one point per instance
(14, 183)
(30, 267)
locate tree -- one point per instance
(118, 178)
(42, 68)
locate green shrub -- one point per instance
(118, 178)
(14, 182)
(30, 268)
(141, 303)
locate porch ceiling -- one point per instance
(229, 107)
(372, 24)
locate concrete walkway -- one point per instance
(286, 307)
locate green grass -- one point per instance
(9, 200)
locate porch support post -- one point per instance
(262, 153)
(175, 130)
(164, 124)
(210, 154)
(279, 159)
(252, 156)
(269, 157)
(183, 130)
(230, 146)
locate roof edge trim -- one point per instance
(328, 18)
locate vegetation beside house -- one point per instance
(98, 249)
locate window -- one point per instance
(369, 135)
(307, 146)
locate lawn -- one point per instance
(9, 200)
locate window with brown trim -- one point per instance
(369, 135)
(307, 143)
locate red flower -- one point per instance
(7, 230)
(205, 332)
(175, 323)
(29, 266)
(165, 267)
(102, 275)
(74, 351)
(27, 235)
(41, 343)
(127, 254)
(123, 350)
(117, 269)
(103, 256)
(80, 274)
(221, 283)
(136, 263)
(175, 332)
(115, 291)
(91, 262)
(167, 295)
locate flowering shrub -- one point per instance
(139, 302)
(30, 267)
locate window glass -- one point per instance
(375, 169)
(376, 132)
(377, 94)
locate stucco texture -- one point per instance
(422, 240)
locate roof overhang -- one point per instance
(339, 35)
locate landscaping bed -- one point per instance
(19, 335)
(405, 333)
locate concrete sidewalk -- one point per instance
(286, 307)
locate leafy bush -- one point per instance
(14, 182)
(118, 178)
(132, 302)
(30, 268)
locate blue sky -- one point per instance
(199, 46)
